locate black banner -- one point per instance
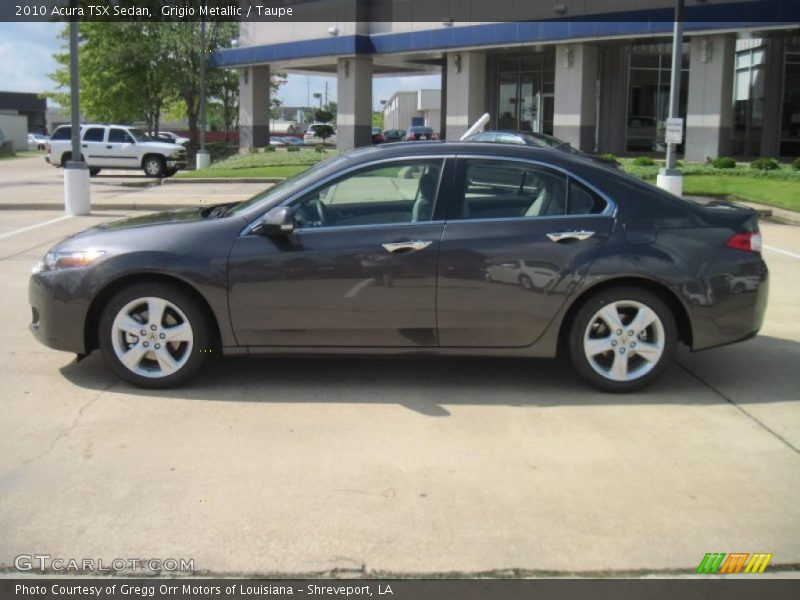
(74, 588)
(424, 11)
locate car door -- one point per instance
(93, 146)
(120, 150)
(359, 269)
(519, 238)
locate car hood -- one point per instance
(192, 213)
(163, 146)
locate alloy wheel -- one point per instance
(624, 340)
(152, 337)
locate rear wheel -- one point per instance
(622, 339)
(155, 335)
(93, 172)
(154, 166)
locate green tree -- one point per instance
(326, 129)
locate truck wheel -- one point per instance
(93, 172)
(154, 166)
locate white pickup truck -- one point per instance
(117, 147)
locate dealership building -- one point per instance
(599, 80)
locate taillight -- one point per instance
(749, 242)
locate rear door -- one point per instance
(93, 146)
(519, 238)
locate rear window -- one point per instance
(62, 133)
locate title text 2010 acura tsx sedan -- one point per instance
(438, 248)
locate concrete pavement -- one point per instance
(31, 183)
(300, 465)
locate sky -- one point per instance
(26, 57)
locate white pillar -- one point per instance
(466, 91)
(354, 102)
(254, 107)
(709, 112)
(76, 189)
(575, 111)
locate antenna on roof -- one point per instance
(476, 127)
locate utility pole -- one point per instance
(77, 199)
(203, 158)
(670, 178)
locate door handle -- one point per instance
(108, 147)
(563, 236)
(84, 146)
(410, 246)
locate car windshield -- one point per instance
(138, 135)
(289, 185)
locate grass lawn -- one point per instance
(23, 154)
(227, 173)
(784, 194)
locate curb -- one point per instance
(223, 180)
(98, 206)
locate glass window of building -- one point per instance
(649, 72)
(748, 97)
(790, 113)
(525, 90)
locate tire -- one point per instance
(154, 166)
(93, 172)
(616, 362)
(151, 362)
(526, 282)
(65, 158)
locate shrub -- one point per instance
(609, 158)
(644, 161)
(796, 164)
(269, 148)
(765, 163)
(252, 150)
(319, 148)
(723, 162)
(293, 149)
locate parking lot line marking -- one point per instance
(781, 251)
(24, 229)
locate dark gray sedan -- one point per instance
(444, 248)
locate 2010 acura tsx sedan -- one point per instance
(412, 249)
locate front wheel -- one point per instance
(155, 335)
(622, 339)
(154, 166)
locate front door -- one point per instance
(518, 240)
(120, 151)
(359, 269)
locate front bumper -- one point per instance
(58, 314)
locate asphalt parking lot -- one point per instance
(303, 466)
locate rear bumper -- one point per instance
(733, 304)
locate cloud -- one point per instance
(26, 56)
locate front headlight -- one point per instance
(56, 261)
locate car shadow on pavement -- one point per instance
(766, 365)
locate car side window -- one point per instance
(583, 201)
(399, 192)
(496, 189)
(62, 133)
(94, 134)
(119, 136)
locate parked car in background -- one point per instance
(418, 133)
(289, 140)
(37, 141)
(117, 147)
(425, 249)
(311, 137)
(172, 138)
(377, 136)
(394, 135)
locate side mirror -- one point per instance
(278, 221)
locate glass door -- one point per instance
(790, 115)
